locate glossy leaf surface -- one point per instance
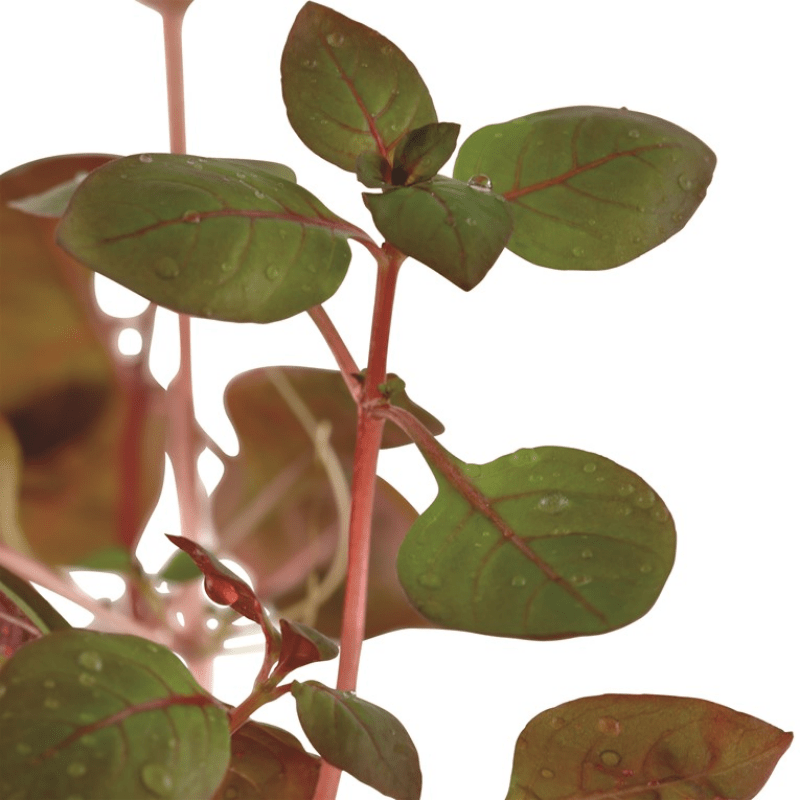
(218, 238)
(644, 747)
(96, 716)
(545, 543)
(456, 229)
(268, 763)
(347, 89)
(360, 738)
(590, 188)
(301, 645)
(421, 153)
(274, 507)
(90, 430)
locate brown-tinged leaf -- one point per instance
(301, 645)
(268, 763)
(644, 747)
(292, 526)
(90, 429)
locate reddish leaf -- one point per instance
(301, 645)
(268, 763)
(90, 430)
(222, 585)
(644, 747)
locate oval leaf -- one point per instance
(97, 715)
(543, 544)
(268, 763)
(644, 747)
(360, 738)
(422, 152)
(456, 229)
(590, 188)
(301, 645)
(347, 89)
(216, 238)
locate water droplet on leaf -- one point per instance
(145, 159)
(76, 769)
(609, 726)
(335, 39)
(471, 222)
(91, 660)
(259, 195)
(272, 273)
(633, 133)
(644, 499)
(547, 773)
(685, 182)
(587, 553)
(226, 266)
(518, 581)
(85, 679)
(430, 581)
(49, 684)
(166, 268)
(590, 467)
(626, 489)
(610, 758)
(659, 513)
(578, 252)
(580, 580)
(481, 182)
(191, 216)
(645, 568)
(51, 703)
(553, 503)
(557, 723)
(386, 49)
(158, 779)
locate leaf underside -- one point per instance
(590, 188)
(644, 747)
(564, 543)
(223, 239)
(96, 715)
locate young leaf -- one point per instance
(590, 188)
(222, 585)
(97, 715)
(360, 738)
(90, 432)
(545, 543)
(347, 89)
(180, 569)
(455, 228)
(268, 763)
(301, 645)
(644, 747)
(218, 238)
(421, 153)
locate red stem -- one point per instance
(368, 440)
(345, 361)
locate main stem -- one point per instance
(368, 440)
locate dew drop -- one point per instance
(659, 513)
(24, 749)
(610, 758)
(553, 503)
(578, 252)
(259, 195)
(636, 239)
(158, 779)
(645, 568)
(88, 740)
(480, 182)
(580, 580)
(626, 489)
(272, 273)
(91, 660)
(609, 726)
(191, 216)
(592, 221)
(430, 581)
(633, 133)
(557, 722)
(386, 49)
(518, 581)
(49, 684)
(587, 553)
(590, 467)
(644, 499)
(471, 222)
(76, 769)
(685, 182)
(335, 39)
(677, 216)
(241, 176)
(486, 534)
(145, 159)
(51, 703)
(166, 268)
(153, 648)
(85, 679)
(309, 63)
(547, 773)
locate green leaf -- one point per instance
(456, 229)
(422, 152)
(181, 569)
(109, 559)
(373, 170)
(268, 763)
(96, 715)
(360, 738)
(347, 89)
(644, 747)
(216, 238)
(545, 543)
(590, 188)
(51, 202)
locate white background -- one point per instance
(681, 365)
